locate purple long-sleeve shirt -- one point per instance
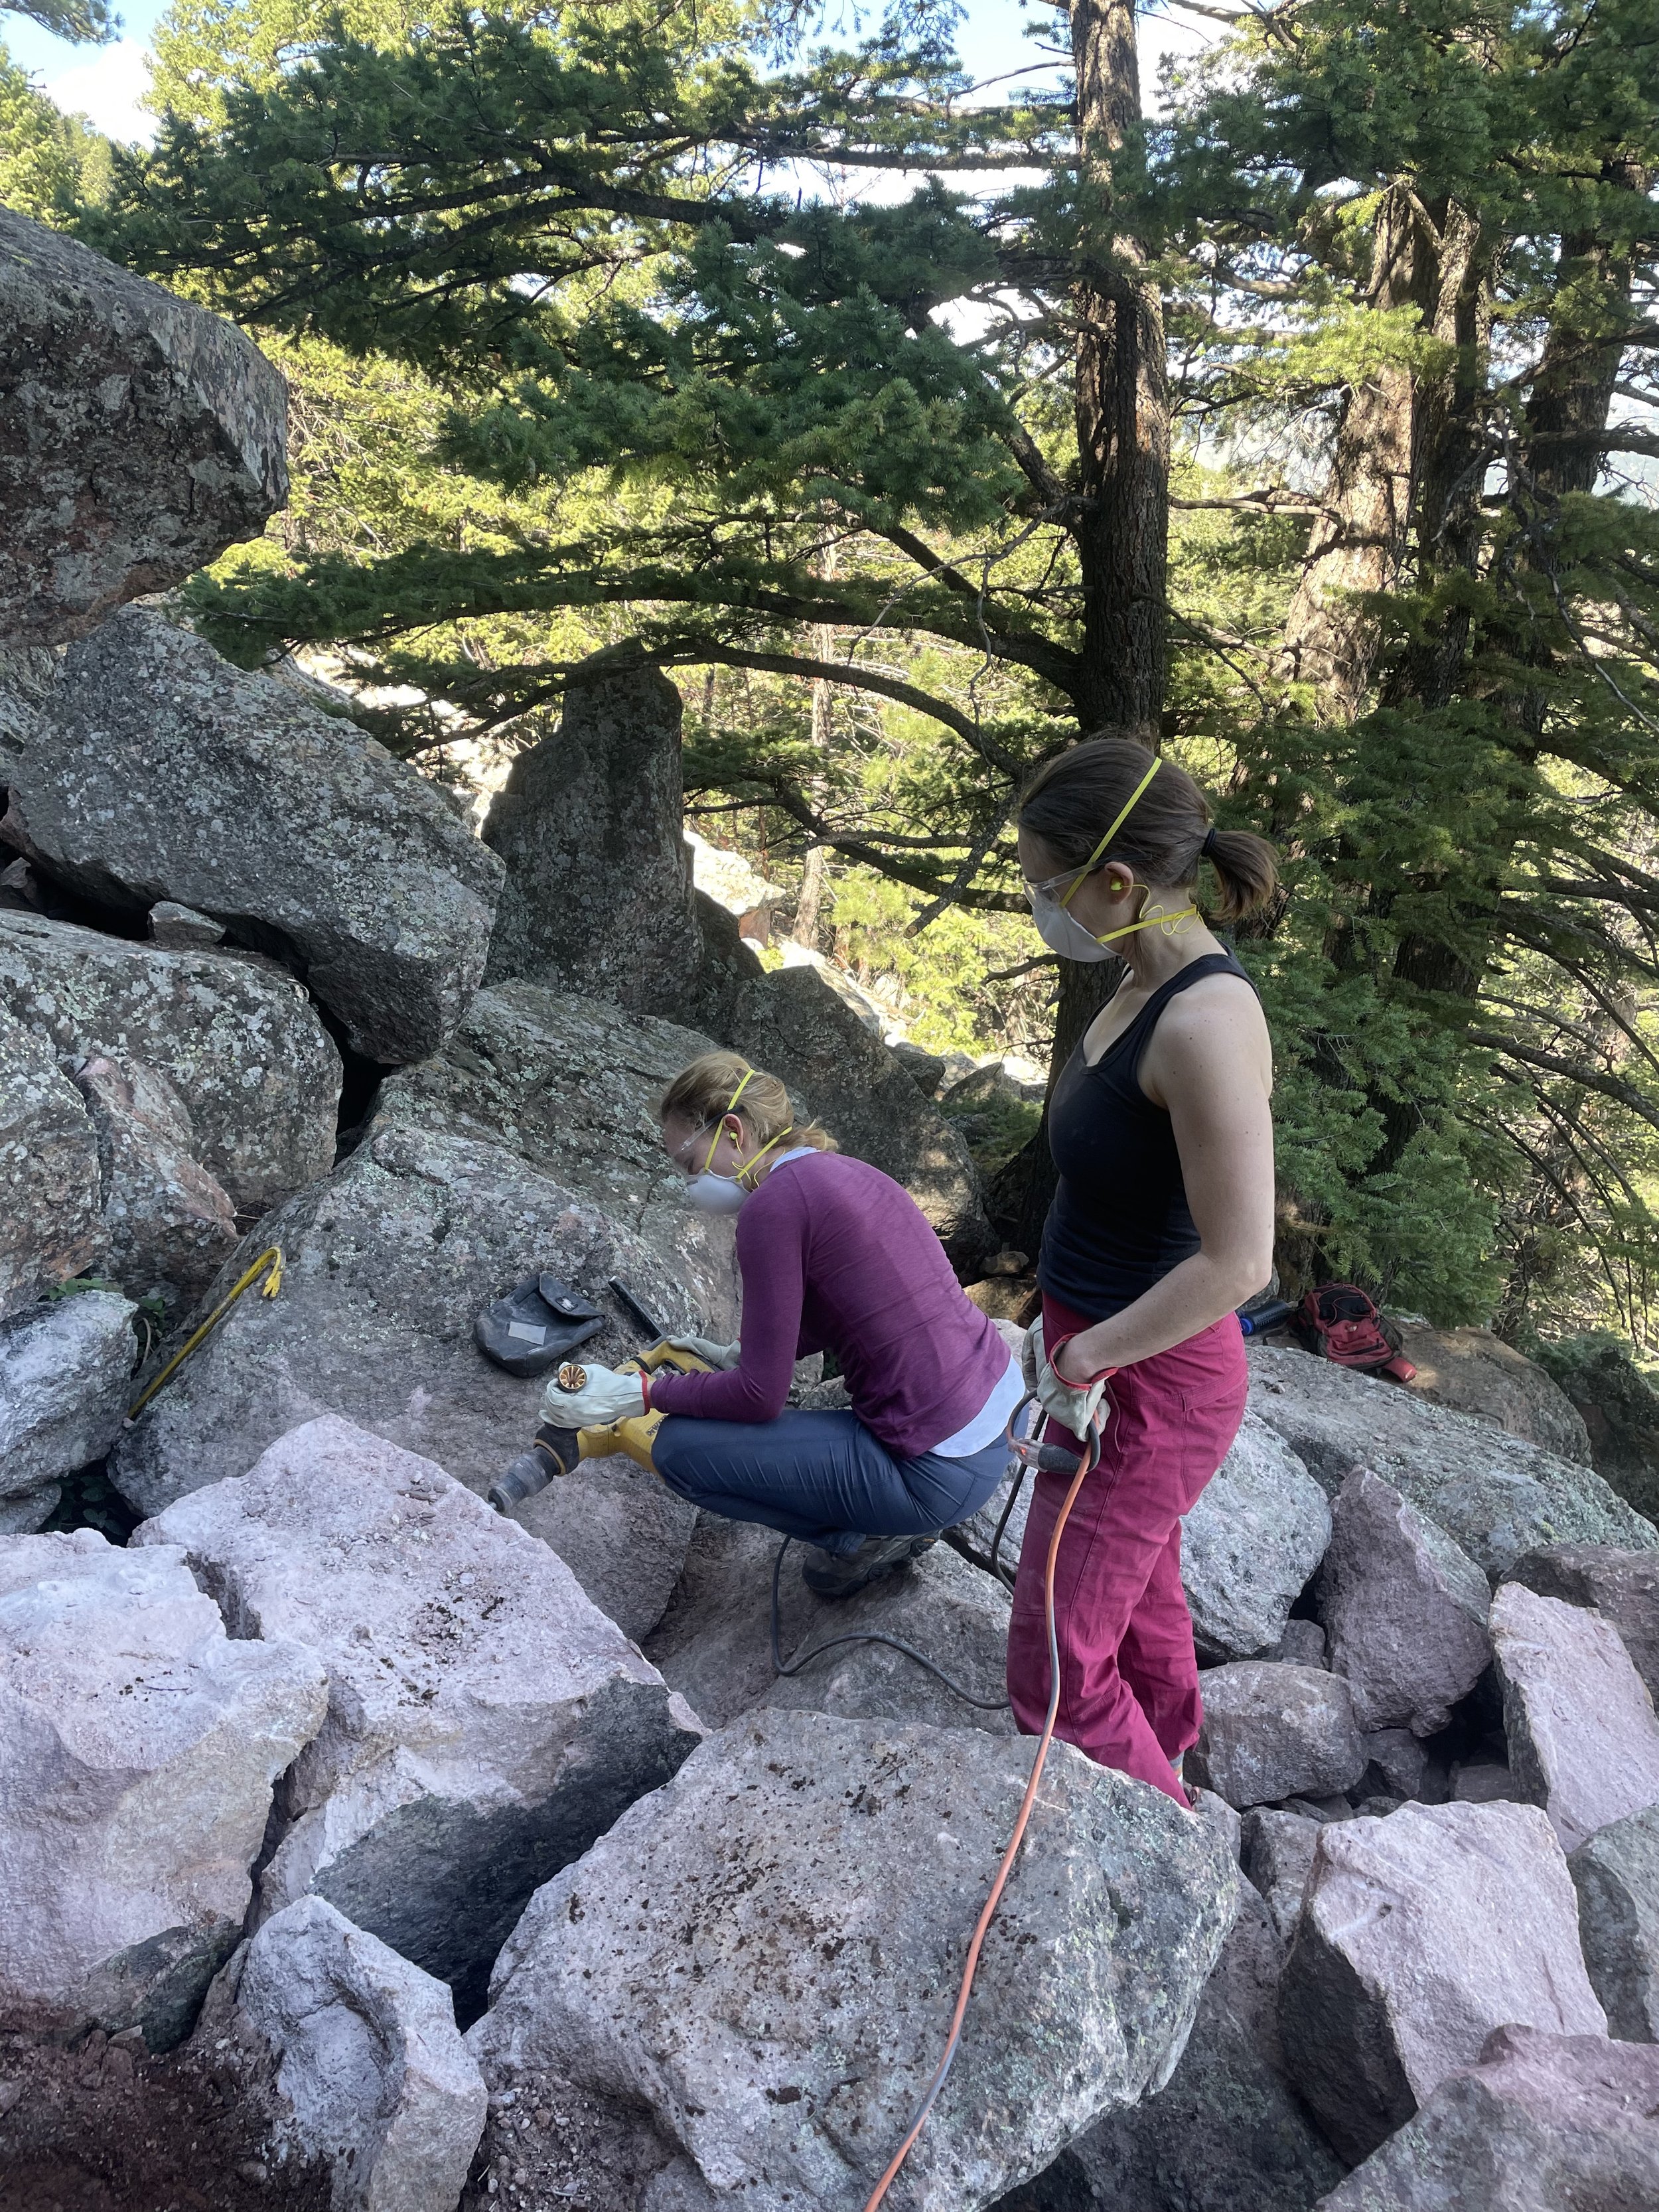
(836, 1257)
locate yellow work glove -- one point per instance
(705, 1349)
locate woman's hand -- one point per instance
(724, 1356)
(1074, 1398)
(605, 1399)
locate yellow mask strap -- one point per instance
(1165, 921)
(1128, 810)
(763, 1151)
(730, 1103)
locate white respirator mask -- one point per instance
(717, 1193)
(1062, 932)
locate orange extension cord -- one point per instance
(1086, 1465)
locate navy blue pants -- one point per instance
(821, 1477)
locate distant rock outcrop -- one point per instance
(599, 899)
(160, 773)
(139, 435)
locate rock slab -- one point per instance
(1494, 1494)
(1272, 1731)
(1616, 1874)
(138, 1745)
(1582, 1737)
(764, 1956)
(1542, 2123)
(1277, 1852)
(363, 2066)
(485, 1722)
(1623, 1587)
(1421, 1933)
(235, 1038)
(165, 774)
(1474, 1372)
(170, 1225)
(1404, 1607)
(389, 1260)
(50, 1227)
(1248, 1547)
(65, 1382)
(139, 435)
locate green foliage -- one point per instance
(82, 21)
(50, 163)
(587, 364)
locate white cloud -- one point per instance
(106, 87)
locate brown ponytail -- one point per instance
(1072, 802)
(1246, 871)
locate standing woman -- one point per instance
(1162, 1224)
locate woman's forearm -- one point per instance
(1191, 1297)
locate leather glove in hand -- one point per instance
(607, 1398)
(705, 1349)
(1073, 1405)
(1032, 1357)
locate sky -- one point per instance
(105, 84)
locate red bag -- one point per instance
(1338, 1321)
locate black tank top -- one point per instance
(1120, 1221)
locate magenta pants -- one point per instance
(1128, 1675)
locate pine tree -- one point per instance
(1401, 261)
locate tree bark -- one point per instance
(1359, 542)
(809, 905)
(1121, 406)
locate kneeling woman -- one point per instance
(834, 1257)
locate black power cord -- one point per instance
(1048, 1457)
(865, 1636)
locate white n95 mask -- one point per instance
(714, 1193)
(1062, 932)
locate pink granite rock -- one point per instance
(1404, 1607)
(1419, 1935)
(1542, 2124)
(1584, 1738)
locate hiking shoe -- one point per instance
(828, 1574)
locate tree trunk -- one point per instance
(808, 907)
(1122, 414)
(1122, 404)
(1357, 543)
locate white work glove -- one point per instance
(1073, 1405)
(705, 1349)
(607, 1399)
(1032, 1357)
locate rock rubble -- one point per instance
(1419, 1934)
(780, 2049)
(138, 1746)
(485, 1722)
(354, 2054)
(65, 1382)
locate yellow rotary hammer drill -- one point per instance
(557, 1450)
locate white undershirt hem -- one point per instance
(989, 1424)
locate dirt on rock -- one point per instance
(104, 2127)
(549, 2146)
